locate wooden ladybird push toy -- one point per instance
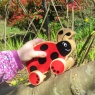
(57, 57)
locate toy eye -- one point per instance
(65, 44)
(61, 32)
(68, 34)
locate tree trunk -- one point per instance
(76, 81)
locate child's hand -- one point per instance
(26, 52)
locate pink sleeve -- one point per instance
(9, 65)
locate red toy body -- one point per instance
(43, 64)
(55, 60)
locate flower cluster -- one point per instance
(34, 10)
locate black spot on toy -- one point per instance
(42, 60)
(33, 68)
(54, 55)
(44, 47)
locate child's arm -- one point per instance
(11, 62)
(9, 65)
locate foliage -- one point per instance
(84, 29)
(2, 7)
(55, 26)
(20, 80)
(14, 44)
(18, 17)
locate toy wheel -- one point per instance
(57, 66)
(36, 77)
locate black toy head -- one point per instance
(64, 47)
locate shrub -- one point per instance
(34, 11)
(2, 7)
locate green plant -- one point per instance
(13, 44)
(42, 35)
(84, 27)
(2, 7)
(91, 55)
(22, 79)
(54, 26)
(85, 49)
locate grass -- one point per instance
(82, 32)
(9, 30)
